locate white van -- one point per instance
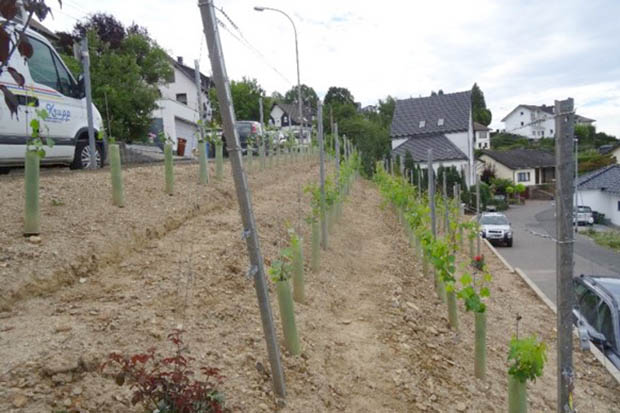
(48, 85)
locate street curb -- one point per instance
(498, 255)
(536, 290)
(615, 373)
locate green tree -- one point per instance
(308, 96)
(338, 95)
(131, 98)
(127, 67)
(245, 95)
(479, 107)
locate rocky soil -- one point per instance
(375, 338)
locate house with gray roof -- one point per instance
(600, 190)
(442, 122)
(535, 122)
(285, 116)
(522, 166)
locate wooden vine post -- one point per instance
(250, 233)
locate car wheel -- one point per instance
(81, 159)
(509, 243)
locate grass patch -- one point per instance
(610, 239)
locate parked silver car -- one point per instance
(495, 227)
(596, 312)
(584, 215)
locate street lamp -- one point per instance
(301, 117)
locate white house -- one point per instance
(600, 190)
(177, 113)
(613, 150)
(285, 116)
(442, 122)
(482, 138)
(535, 122)
(522, 166)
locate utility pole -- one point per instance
(89, 104)
(250, 233)
(564, 125)
(322, 173)
(201, 114)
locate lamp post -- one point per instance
(301, 116)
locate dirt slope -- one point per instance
(374, 337)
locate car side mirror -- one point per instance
(597, 338)
(81, 92)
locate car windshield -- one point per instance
(584, 209)
(493, 220)
(244, 130)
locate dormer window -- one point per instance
(422, 124)
(440, 122)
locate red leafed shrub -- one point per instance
(166, 384)
(478, 262)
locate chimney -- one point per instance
(180, 60)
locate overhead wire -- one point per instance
(245, 42)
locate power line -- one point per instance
(244, 41)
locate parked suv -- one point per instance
(584, 215)
(596, 310)
(495, 227)
(48, 85)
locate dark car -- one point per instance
(596, 313)
(245, 129)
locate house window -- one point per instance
(523, 177)
(440, 122)
(521, 115)
(182, 97)
(521, 123)
(618, 205)
(551, 131)
(422, 123)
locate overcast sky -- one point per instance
(526, 51)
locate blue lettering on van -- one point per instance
(57, 115)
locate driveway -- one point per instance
(533, 250)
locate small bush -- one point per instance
(164, 384)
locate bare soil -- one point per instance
(375, 338)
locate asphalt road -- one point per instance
(533, 250)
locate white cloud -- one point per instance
(518, 52)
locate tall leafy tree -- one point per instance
(338, 95)
(127, 67)
(108, 29)
(128, 78)
(308, 96)
(481, 114)
(245, 95)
